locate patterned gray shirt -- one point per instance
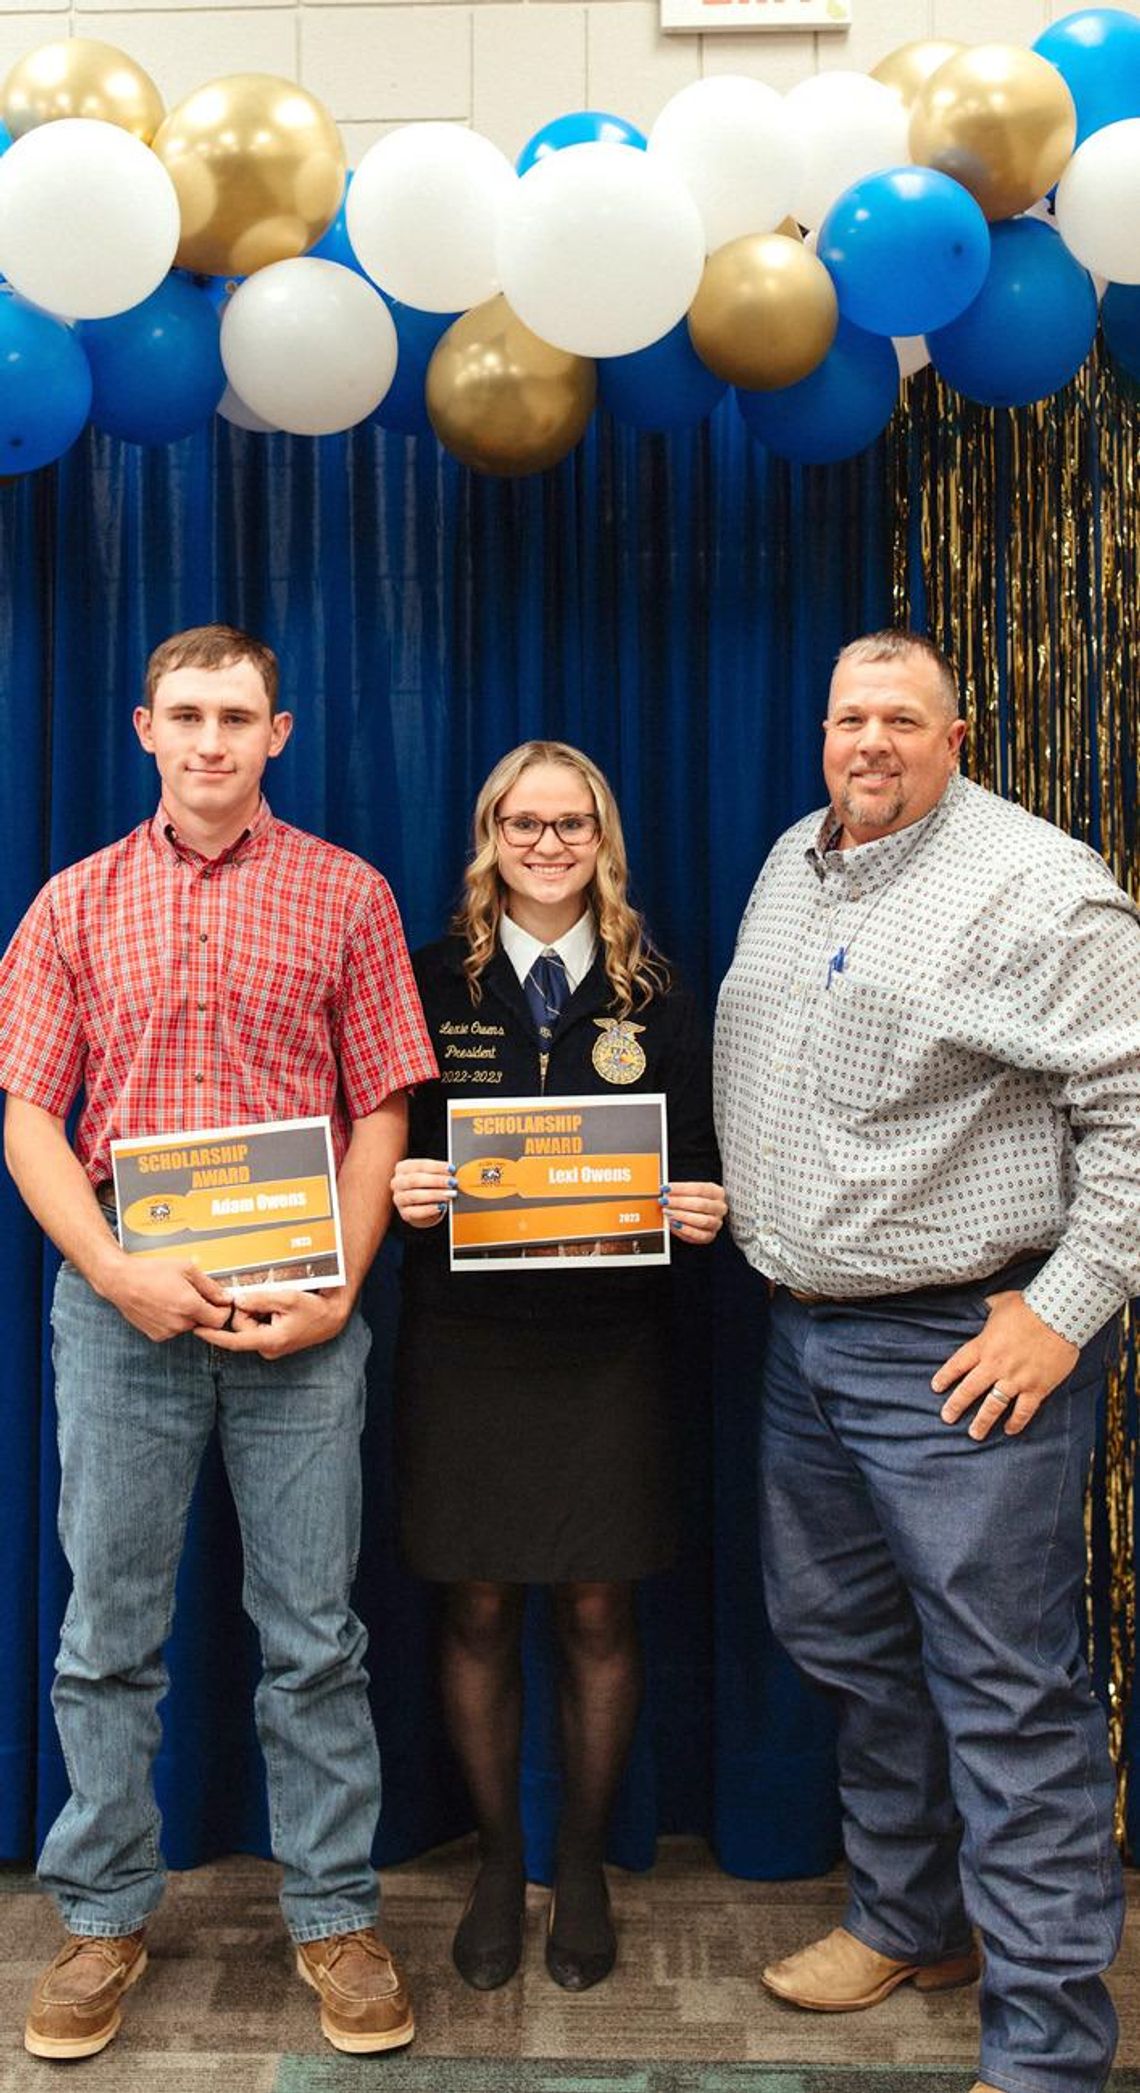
(927, 1061)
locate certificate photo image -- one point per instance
(549, 1182)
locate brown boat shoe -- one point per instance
(839, 1974)
(75, 2009)
(364, 1999)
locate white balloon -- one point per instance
(309, 346)
(232, 409)
(600, 250)
(734, 145)
(848, 126)
(912, 353)
(423, 214)
(89, 219)
(1095, 205)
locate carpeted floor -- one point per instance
(220, 2009)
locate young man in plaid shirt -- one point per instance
(213, 967)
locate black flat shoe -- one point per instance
(580, 1967)
(488, 1943)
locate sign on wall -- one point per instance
(756, 14)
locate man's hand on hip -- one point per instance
(164, 1298)
(275, 1324)
(1008, 1369)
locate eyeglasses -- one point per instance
(569, 828)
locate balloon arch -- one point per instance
(966, 205)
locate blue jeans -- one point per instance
(933, 1583)
(134, 1418)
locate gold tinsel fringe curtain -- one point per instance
(1015, 545)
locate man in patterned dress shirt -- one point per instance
(928, 1101)
(215, 966)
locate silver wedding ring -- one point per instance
(998, 1395)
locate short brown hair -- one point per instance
(894, 644)
(211, 647)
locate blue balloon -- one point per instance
(665, 386)
(335, 245)
(1097, 53)
(157, 369)
(1120, 319)
(1031, 326)
(838, 409)
(403, 407)
(45, 386)
(581, 127)
(907, 250)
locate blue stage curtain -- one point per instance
(674, 607)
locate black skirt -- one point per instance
(533, 1453)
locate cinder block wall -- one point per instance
(502, 66)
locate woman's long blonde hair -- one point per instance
(634, 970)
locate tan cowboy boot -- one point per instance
(840, 1975)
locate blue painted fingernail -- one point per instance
(676, 1226)
(443, 1206)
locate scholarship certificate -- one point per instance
(545, 1182)
(255, 1206)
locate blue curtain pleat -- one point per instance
(673, 605)
(26, 520)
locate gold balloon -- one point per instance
(258, 165)
(80, 77)
(906, 70)
(1000, 120)
(503, 401)
(765, 314)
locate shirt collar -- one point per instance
(168, 843)
(575, 948)
(871, 865)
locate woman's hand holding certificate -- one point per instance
(695, 1212)
(422, 1190)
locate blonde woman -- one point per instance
(533, 1434)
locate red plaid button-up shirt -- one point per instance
(178, 991)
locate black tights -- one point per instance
(600, 1680)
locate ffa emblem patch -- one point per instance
(617, 1056)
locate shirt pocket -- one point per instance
(276, 1008)
(892, 1052)
(853, 1040)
